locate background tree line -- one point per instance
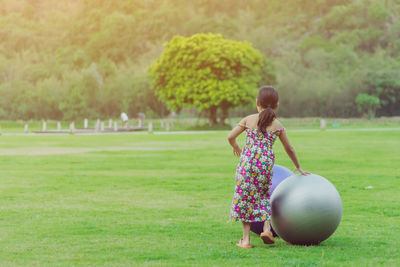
(90, 58)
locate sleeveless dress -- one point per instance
(254, 177)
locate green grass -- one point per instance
(150, 200)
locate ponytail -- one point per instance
(265, 119)
(267, 99)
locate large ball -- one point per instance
(306, 210)
(279, 173)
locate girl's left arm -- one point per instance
(234, 134)
(291, 152)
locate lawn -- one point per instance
(151, 200)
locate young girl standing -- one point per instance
(254, 171)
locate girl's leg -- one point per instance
(267, 227)
(246, 233)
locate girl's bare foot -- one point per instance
(245, 241)
(242, 244)
(267, 237)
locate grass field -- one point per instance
(153, 200)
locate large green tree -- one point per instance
(208, 72)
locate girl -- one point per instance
(254, 171)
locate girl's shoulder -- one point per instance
(249, 121)
(276, 127)
(277, 124)
(252, 117)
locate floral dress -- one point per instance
(254, 177)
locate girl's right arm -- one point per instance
(291, 152)
(234, 134)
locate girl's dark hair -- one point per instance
(267, 99)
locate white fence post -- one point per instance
(323, 124)
(72, 127)
(97, 127)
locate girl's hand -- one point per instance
(301, 171)
(237, 151)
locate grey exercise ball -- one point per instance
(306, 209)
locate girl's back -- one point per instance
(253, 173)
(251, 122)
(255, 137)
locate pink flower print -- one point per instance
(251, 217)
(237, 209)
(263, 208)
(248, 180)
(255, 206)
(248, 154)
(256, 182)
(243, 171)
(253, 200)
(244, 198)
(242, 216)
(265, 153)
(253, 135)
(259, 164)
(240, 190)
(263, 172)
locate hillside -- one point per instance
(70, 59)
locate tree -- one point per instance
(367, 104)
(385, 83)
(208, 72)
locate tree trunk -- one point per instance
(212, 115)
(224, 114)
(371, 113)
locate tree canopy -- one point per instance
(208, 72)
